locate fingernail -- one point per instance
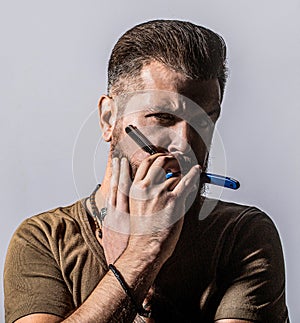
(199, 169)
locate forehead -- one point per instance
(165, 88)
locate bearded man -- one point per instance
(136, 248)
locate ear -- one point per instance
(106, 116)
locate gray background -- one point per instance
(53, 69)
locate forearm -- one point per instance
(108, 302)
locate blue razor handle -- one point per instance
(221, 180)
(214, 179)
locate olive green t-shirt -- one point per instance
(228, 265)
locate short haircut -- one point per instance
(195, 51)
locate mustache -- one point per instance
(185, 161)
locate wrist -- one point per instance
(139, 272)
(149, 252)
(138, 307)
(141, 258)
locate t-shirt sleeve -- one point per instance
(33, 282)
(256, 277)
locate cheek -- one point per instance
(123, 144)
(200, 144)
(137, 157)
(200, 150)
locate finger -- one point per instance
(145, 165)
(170, 183)
(162, 165)
(188, 182)
(123, 186)
(115, 172)
(117, 218)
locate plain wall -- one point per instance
(53, 61)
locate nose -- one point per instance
(180, 138)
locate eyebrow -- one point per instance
(216, 110)
(159, 108)
(164, 108)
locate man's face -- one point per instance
(176, 114)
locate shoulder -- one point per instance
(52, 223)
(232, 214)
(41, 257)
(239, 229)
(69, 214)
(47, 233)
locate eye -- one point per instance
(163, 117)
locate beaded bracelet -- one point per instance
(140, 309)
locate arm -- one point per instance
(108, 302)
(145, 253)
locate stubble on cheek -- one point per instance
(117, 151)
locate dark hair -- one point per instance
(195, 51)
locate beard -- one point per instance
(185, 161)
(116, 151)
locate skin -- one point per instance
(144, 191)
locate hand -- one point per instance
(154, 211)
(157, 206)
(116, 225)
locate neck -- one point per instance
(103, 192)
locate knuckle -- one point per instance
(114, 189)
(139, 186)
(161, 160)
(123, 187)
(146, 162)
(172, 196)
(145, 184)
